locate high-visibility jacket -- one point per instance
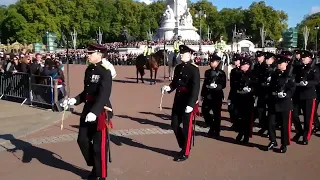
(147, 51)
(176, 45)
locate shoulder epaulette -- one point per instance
(194, 64)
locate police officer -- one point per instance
(304, 98)
(176, 46)
(186, 82)
(264, 78)
(244, 100)
(281, 89)
(93, 135)
(234, 82)
(212, 95)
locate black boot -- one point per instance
(296, 137)
(239, 137)
(246, 139)
(261, 132)
(272, 145)
(180, 158)
(283, 149)
(305, 141)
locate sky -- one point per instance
(296, 9)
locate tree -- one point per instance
(310, 21)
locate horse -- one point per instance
(172, 64)
(151, 64)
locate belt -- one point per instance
(182, 89)
(102, 119)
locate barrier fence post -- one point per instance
(55, 90)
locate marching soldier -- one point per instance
(297, 59)
(93, 132)
(212, 95)
(281, 89)
(304, 98)
(287, 54)
(316, 119)
(186, 82)
(264, 78)
(234, 82)
(244, 101)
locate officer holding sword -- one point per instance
(186, 82)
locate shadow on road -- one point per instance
(233, 141)
(162, 116)
(44, 156)
(146, 121)
(124, 81)
(120, 140)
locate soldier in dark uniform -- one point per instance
(244, 100)
(296, 59)
(234, 82)
(92, 137)
(287, 54)
(281, 89)
(304, 98)
(212, 95)
(316, 119)
(264, 78)
(186, 82)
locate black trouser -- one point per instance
(94, 148)
(213, 121)
(284, 119)
(316, 119)
(183, 135)
(246, 117)
(308, 107)
(261, 114)
(234, 115)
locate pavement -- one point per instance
(143, 143)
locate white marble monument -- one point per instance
(177, 20)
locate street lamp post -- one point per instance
(74, 38)
(99, 36)
(306, 32)
(263, 34)
(200, 14)
(317, 29)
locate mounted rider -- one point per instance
(176, 45)
(147, 51)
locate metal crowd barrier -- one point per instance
(35, 90)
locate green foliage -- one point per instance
(28, 20)
(310, 21)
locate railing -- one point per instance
(31, 89)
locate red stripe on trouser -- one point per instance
(189, 134)
(289, 127)
(251, 124)
(311, 118)
(103, 153)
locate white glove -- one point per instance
(303, 83)
(91, 117)
(229, 102)
(282, 95)
(72, 101)
(212, 86)
(246, 89)
(64, 104)
(188, 109)
(268, 79)
(165, 89)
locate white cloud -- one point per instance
(315, 9)
(146, 1)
